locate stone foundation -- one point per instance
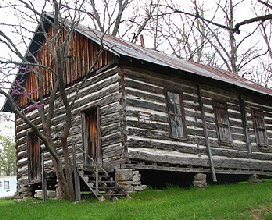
(200, 180)
(129, 179)
(50, 194)
(23, 193)
(254, 179)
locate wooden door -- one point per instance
(91, 136)
(34, 157)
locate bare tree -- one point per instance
(210, 35)
(58, 48)
(262, 70)
(186, 36)
(63, 21)
(235, 28)
(106, 15)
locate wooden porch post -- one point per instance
(44, 181)
(206, 133)
(76, 177)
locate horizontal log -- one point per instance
(110, 119)
(110, 129)
(139, 166)
(145, 157)
(146, 133)
(152, 126)
(146, 105)
(218, 163)
(142, 86)
(161, 80)
(146, 96)
(167, 147)
(109, 109)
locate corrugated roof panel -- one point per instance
(121, 47)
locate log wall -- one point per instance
(101, 90)
(151, 147)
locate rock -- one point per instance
(136, 178)
(124, 183)
(200, 184)
(128, 188)
(254, 179)
(101, 198)
(39, 194)
(124, 174)
(136, 172)
(200, 176)
(200, 180)
(140, 187)
(51, 194)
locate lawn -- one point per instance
(232, 201)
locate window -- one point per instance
(222, 122)
(0, 184)
(6, 184)
(176, 115)
(259, 127)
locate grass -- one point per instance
(233, 201)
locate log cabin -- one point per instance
(144, 110)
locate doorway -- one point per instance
(34, 157)
(91, 136)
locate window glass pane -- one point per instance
(222, 117)
(258, 114)
(218, 115)
(259, 123)
(224, 133)
(262, 137)
(225, 119)
(6, 184)
(223, 125)
(0, 184)
(176, 126)
(174, 103)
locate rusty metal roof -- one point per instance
(124, 48)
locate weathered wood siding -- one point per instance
(83, 54)
(101, 90)
(151, 147)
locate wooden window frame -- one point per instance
(182, 116)
(220, 107)
(259, 114)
